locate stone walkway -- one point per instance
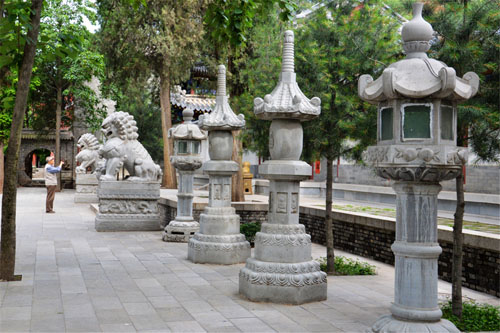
(75, 279)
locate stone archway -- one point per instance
(32, 141)
(34, 162)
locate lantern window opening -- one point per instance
(416, 121)
(447, 122)
(183, 147)
(386, 116)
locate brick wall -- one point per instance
(372, 237)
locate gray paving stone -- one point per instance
(15, 325)
(82, 324)
(106, 303)
(251, 325)
(15, 313)
(185, 326)
(139, 309)
(53, 323)
(174, 314)
(115, 316)
(118, 328)
(148, 322)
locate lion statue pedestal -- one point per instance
(130, 204)
(88, 158)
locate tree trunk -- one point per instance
(8, 242)
(169, 179)
(1, 165)
(57, 152)
(458, 239)
(330, 255)
(237, 190)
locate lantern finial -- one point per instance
(417, 33)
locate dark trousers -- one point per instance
(51, 193)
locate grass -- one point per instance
(475, 317)
(391, 212)
(348, 266)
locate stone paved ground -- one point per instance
(75, 279)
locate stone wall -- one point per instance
(479, 179)
(372, 237)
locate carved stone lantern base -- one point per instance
(180, 231)
(86, 188)
(128, 206)
(184, 226)
(282, 270)
(219, 240)
(388, 323)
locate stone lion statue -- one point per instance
(89, 153)
(122, 149)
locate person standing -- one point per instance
(51, 182)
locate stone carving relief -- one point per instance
(284, 229)
(283, 240)
(376, 155)
(284, 280)
(458, 157)
(422, 173)
(295, 201)
(410, 154)
(282, 202)
(217, 192)
(227, 192)
(128, 207)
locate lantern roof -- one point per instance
(417, 76)
(287, 101)
(187, 130)
(222, 117)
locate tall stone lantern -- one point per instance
(282, 270)
(416, 148)
(219, 240)
(186, 159)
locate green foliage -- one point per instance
(468, 41)
(348, 266)
(231, 21)
(257, 74)
(158, 36)
(475, 317)
(250, 230)
(334, 46)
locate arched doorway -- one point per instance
(34, 164)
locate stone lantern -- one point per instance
(416, 148)
(219, 240)
(282, 270)
(186, 159)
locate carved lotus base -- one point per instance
(181, 232)
(218, 249)
(293, 283)
(388, 323)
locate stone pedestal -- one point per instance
(86, 188)
(416, 250)
(128, 206)
(219, 240)
(282, 270)
(184, 226)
